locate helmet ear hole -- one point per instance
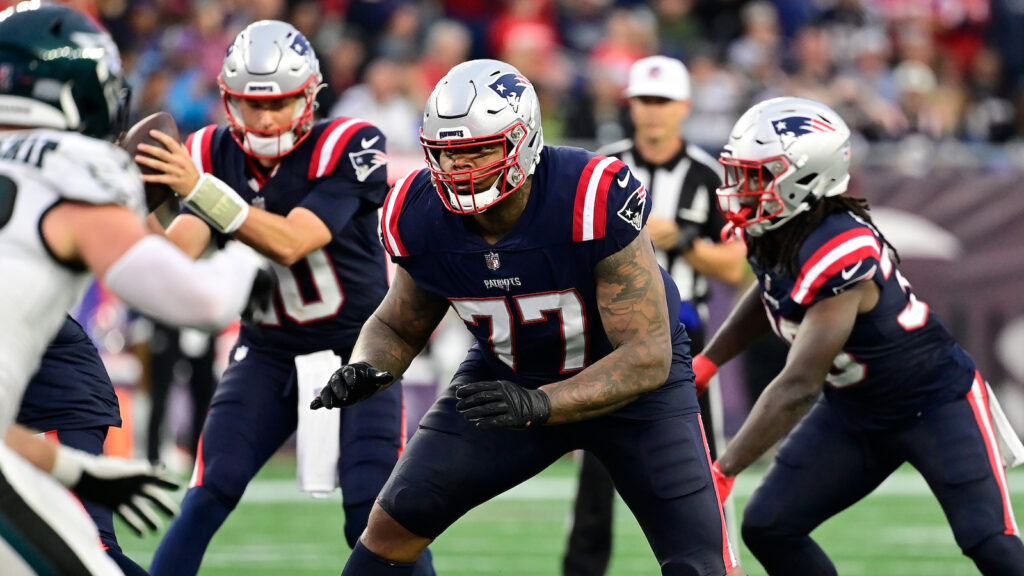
(807, 179)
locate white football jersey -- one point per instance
(39, 169)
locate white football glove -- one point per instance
(131, 488)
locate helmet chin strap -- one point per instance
(270, 146)
(469, 202)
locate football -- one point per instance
(156, 194)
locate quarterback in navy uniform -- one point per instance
(543, 254)
(304, 193)
(897, 387)
(72, 400)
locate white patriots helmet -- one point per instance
(268, 60)
(482, 103)
(783, 155)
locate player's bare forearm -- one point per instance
(745, 324)
(723, 261)
(400, 327)
(39, 452)
(821, 336)
(285, 240)
(631, 299)
(782, 404)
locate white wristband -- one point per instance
(217, 203)
(67, 467)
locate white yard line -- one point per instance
(903, 483)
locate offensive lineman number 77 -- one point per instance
(531, 308)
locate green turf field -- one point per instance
(899, 530)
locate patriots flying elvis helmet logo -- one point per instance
(793, 127)
(510, 87)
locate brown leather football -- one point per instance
(156, 194)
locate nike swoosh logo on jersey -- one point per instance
(623, 181)
(367, 143)
(847, 273)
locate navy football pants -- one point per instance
(253, 412)
(825, 466)
(660, 467)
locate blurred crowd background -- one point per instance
(941, 70)
(934, 90)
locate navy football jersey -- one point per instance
(339, 172)
(530, 299)
(899, 358)
(71, 390)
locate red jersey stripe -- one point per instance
(392, 209)
(331, 145)
(590, 210)
(839, 252)
(978, 399)
(199, 147)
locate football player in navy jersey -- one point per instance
(72, 400)
(872, 380)
(542, 252)
(304, 193)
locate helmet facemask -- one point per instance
(271, 143)
(459, 188)
(270, 60)
(749, 197)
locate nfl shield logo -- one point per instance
(493, 260)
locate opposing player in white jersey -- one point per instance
(72, 203)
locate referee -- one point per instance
(685, 226)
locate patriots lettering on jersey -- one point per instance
(365, 162)
(505, 284)
(510, 87)
(633, 210)
(792, 127)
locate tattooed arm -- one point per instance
(631, 298)
(400, 327)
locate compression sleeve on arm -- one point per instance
(159, 280)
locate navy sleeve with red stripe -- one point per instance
(391, 235)
(839, 254)
(610, 205)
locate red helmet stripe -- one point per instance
(199, 147)
(331, 145)
(392, 209)
(590, 211)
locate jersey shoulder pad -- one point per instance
(86, 169)
(608, 202)
(349, 148)
(206, 143)
(840, 252)
(413, 194)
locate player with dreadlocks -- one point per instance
(872, 380)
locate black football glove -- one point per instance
(502, 404)
(261, 294)
(350, 384)
(131, 488)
